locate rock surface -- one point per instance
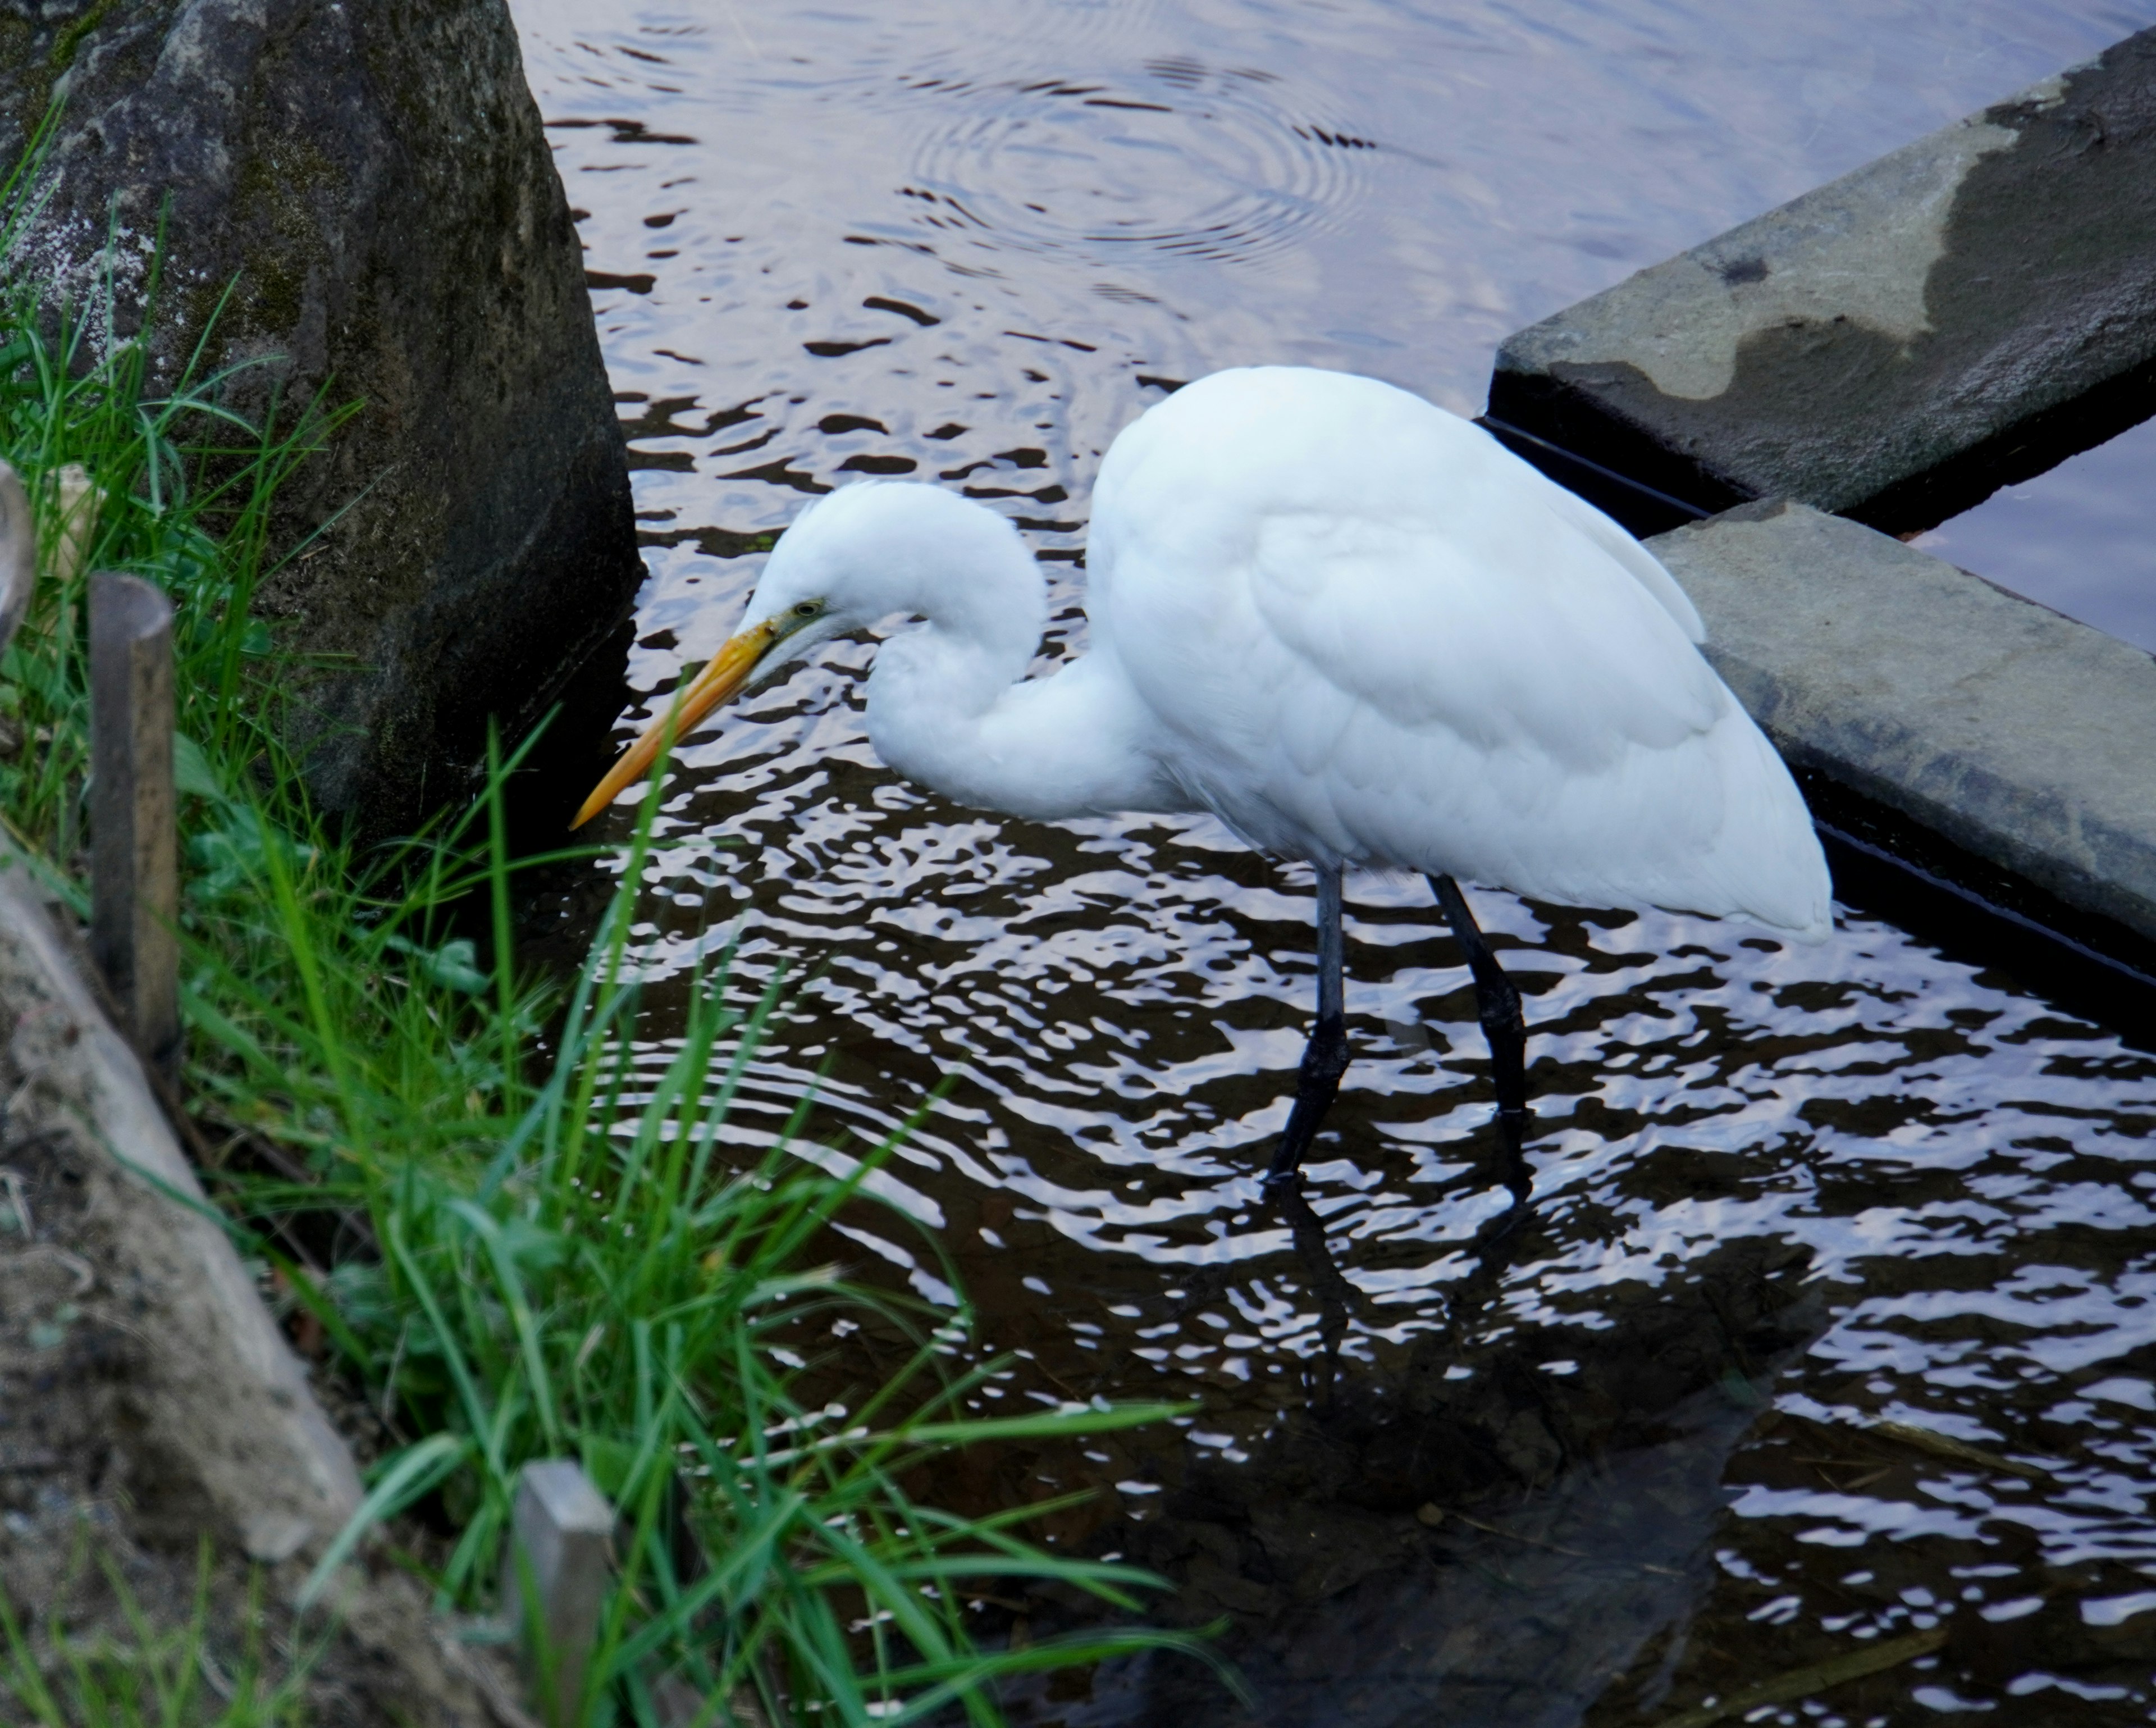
(148, 1401)
(373, 176)
(214, 1424)
(1961, 314)
(2020, 735)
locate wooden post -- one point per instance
(134, 865)
(559, 1537)
(19, 554)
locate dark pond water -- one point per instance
(2080, 539)
(1629, 1462)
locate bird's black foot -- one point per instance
(1511, 1134)
(1324, 1061)
(1505, 1025)
(1325, 1057)
(1317, 1084)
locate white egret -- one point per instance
(1351, 624)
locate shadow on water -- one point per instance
(1783, 1196)
(1492, 1535)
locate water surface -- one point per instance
(2080, 539)
(1783, 1193)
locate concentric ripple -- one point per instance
(1178, 158)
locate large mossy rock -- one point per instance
(373, 177)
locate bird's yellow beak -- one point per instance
(729, 670)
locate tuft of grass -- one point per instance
(512, 1241)
(613, 1287)
(155, 1676)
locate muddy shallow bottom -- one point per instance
(1783, 1195)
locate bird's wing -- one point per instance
(1526, 639)
(1642, 564)
(1505, 700)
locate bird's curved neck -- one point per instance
(980, 596)
(934, 686)
(949, 705)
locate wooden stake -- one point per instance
(135, 866)
(75, 502)
(19, 554)
(560, 1534)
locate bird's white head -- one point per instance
(881, 548)
(850, 559)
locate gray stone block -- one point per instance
(1957, 315)
(2024, 738)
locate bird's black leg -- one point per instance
(1324, 1061)
(1325, 1057)
(1503, 1024)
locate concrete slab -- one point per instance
(2023, 737)
(1963, 313)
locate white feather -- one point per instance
(1354, 625)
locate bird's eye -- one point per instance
(807, 608)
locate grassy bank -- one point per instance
(505, 1241)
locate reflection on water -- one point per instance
(2080, 539)
(1784, 1193)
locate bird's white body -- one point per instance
(1352, 626)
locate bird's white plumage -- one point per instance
(1351, 625)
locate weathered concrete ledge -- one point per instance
(1961, 314)
(2022, 737)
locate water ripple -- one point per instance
(972, 244)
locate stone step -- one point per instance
(1957, 315)
(1918, 701)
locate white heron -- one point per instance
(1352, 625)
